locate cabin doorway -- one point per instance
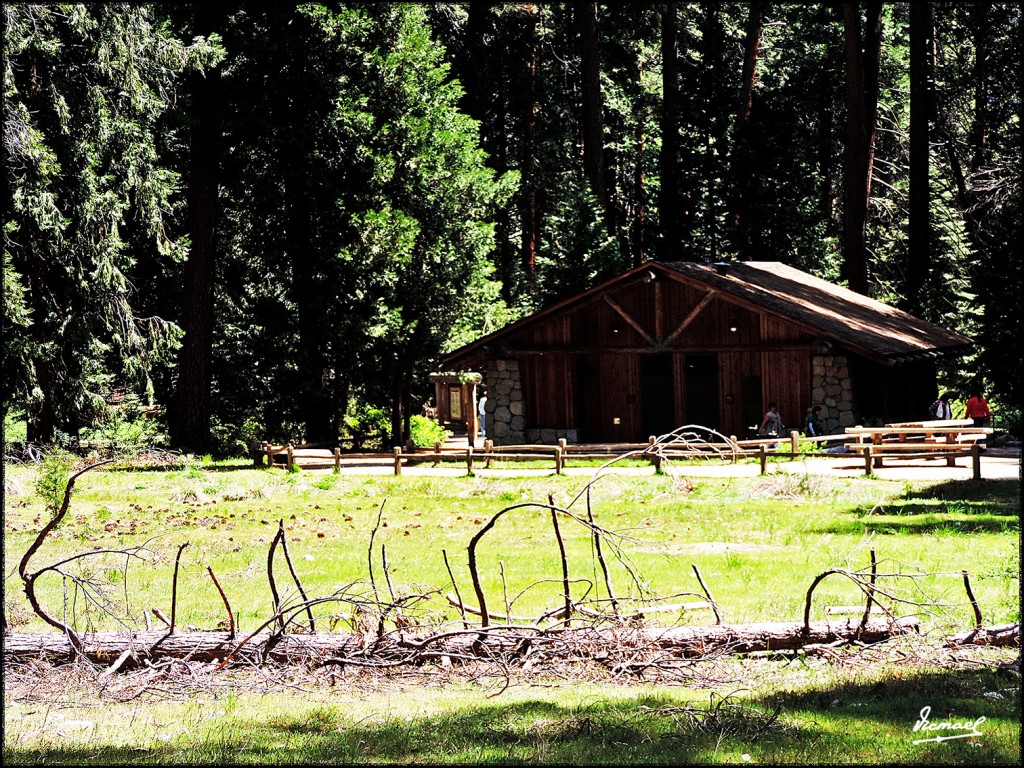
(657, 395)
(751, 405)
(702, 405)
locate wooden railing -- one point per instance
(560, 455)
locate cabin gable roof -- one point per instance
(866, 326)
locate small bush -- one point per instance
(425, 432)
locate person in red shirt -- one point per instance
(977, 409)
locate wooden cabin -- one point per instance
(674, 343)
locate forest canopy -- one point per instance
(267, 221)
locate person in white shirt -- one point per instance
(482, 410)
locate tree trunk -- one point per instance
(531, 221)
(592, 122)
(979, 131)
(862, 65)
(494, 643)
(669, 204)
(919, 241)
(741, 147)
(191, 424)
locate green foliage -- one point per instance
(15, 428)
(53, 478)
(425, 432)
(367, 425)
(85, 87)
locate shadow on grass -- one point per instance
(993, 491)
(853, 722)
(923, 524)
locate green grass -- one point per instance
(758, 543)
(825, 716)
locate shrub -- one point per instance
(425, 432)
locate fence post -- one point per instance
(469, 460)
(762, 451)
(976, 460)
(437, 451)
(558, 459)
(562, 443)
(337, 459)
(398, 459)
(265, 451)
(794, 441)
(488, 449)
(867, 459)
(290, 463)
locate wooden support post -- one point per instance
(265, 450)
(469, 460)
(488, 449)
(562, 444)
(794, 441)
(867, 460)
(558, 459)
(337, 459)
(290, 463)
(437, 450)
(976, 461)
(398, 460)
(762, 451)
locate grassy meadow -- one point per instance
(758, 542)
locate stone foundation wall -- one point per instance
(832, 389)
(506, 412)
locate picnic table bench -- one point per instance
(948, 438)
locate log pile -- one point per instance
(494, 643)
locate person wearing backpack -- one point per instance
(941, 410)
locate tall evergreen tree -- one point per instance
(84, 88)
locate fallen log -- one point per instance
(1004, 635)
(490, 643)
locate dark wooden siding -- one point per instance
(609, 385)
(549, 389)
(786, 380)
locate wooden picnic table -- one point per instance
(950, 438)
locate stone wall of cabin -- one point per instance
(832, 389)
(506, 411)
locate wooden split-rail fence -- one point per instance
(290, 455)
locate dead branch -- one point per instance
(455, 586)
(369, 549)
(565, 563)
(974, 601)
(295, 576)
(1004, 635)
(29, 579)
(270, 571)
(174, 587)
(227, 605)
(871, 587)
(491, 644)
(714, 605)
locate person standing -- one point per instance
(814, 427)
(482, 411)
(941, 410)
(771, 424)
(977, 408)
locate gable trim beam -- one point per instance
(625, 316)
(692, 316)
